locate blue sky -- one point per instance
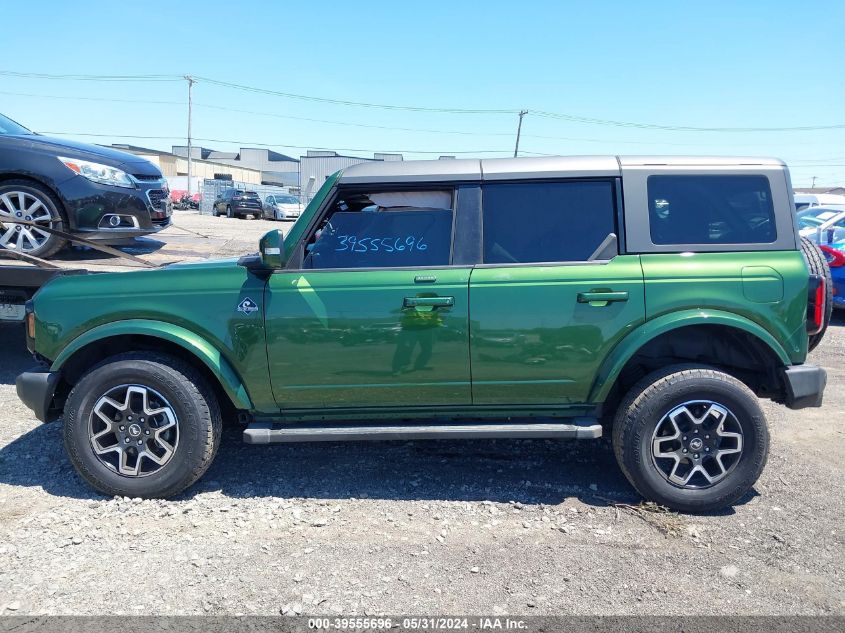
(688, 64)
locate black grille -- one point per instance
(156, 197)
(146, 177)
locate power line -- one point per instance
(9, 73)
(384, 106)
(105, 99)
(540, 113)
(392, 128)
(682, 128)
(257, 144)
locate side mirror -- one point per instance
(272, 249)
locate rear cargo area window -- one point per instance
(548, 222)
(711, 210)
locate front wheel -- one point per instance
(691, 438)
(39, 207)
(142, 425)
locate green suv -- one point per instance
(652, 300)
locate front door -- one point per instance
(375, 316)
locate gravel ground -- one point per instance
(517, 527)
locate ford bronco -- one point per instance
(651, 300)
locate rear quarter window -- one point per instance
(711, 209)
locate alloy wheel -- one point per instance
(697, 444)
(133, 430)
(22, 205)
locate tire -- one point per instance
(817, 265)
(229, 213)
(48, 210)
(170, 383)
(645, 412)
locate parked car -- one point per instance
(532, 297)
(235, 203)
(281, 207)
(829, 200)
(87, 190)
(835, 256)
(812, 220)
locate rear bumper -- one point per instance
(804, 386)
(36, 390)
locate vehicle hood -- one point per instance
(106, 155)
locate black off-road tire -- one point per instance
(818, 266)
(54, 243)
(229, 213)
(655, 396)
(192, 399)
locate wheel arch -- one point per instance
(43, 182)
(698, 331)
(107, 340)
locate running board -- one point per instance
(269, 433)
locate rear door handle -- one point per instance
(602, 296)
(434, 302)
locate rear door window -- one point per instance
(711, 209)
(548, 221)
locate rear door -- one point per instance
(553, 295)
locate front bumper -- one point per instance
(88, 203)
(804, 386)
(37, 389)
(121, 233)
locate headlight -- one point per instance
(98, 173)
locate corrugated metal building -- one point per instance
(275, 168)
(173, 165)
(316, 166)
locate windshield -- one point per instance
(7, 126)
(287, 200)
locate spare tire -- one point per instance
(817, 264)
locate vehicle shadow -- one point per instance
(14, 357)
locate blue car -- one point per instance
(835, 255)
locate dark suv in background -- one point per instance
(234, 203)
(87, 190)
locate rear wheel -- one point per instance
(28, 201)
(691, 438)
(817, 265)
(142, 425)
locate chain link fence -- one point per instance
(213, 189)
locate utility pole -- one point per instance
(814, 183)
(522, 113)
(190, 81)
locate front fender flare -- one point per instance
(190, 341)
(625, 349)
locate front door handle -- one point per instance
(433, 302)
(602, 297)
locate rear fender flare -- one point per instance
(190, 341)
(625, 349)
